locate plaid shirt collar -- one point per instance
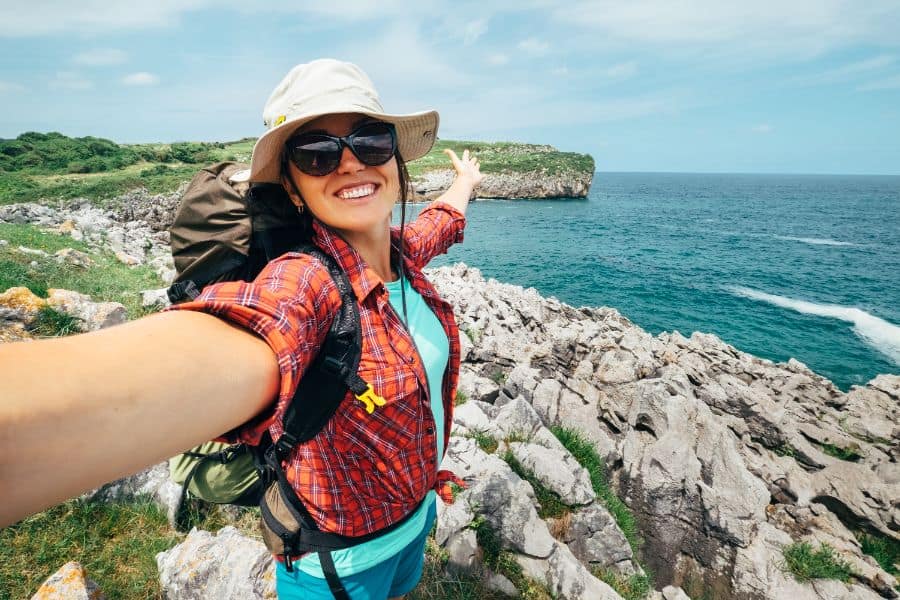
(362, 278)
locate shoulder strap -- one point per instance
(332, 372)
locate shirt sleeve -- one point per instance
(436, 228)
(287, 305)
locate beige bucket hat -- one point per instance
(329, 86)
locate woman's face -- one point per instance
(354, 198)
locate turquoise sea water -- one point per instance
(781, 266)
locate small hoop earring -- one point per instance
(301, 208)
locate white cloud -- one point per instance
(400, 58)
(7, 87)
(474, 30)
(70, 80)
(140, 78)
(100, 57)
(92, 16)
(763, 128)
(498, 59)
(849, 71)
(534, 46)
(622, 70)
(888, 83)
(773, 27)
(561, 71)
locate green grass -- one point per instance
(461, 398)
(587, 457)
(885, 550)
(806, 564)
(633, 587)
(502, 561)
(116, 543)
(550, 504)
(848, 454)
(785, 449)
(505, 157)
(52, 323)
(485, 442)
(108, 280)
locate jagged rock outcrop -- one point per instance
(723, 457)
(537, 184)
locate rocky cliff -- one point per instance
(723, 459)
(530, 184)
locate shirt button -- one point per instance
(410, 358)
(430, 430)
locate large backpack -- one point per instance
(227, 229)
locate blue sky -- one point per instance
(807, 86)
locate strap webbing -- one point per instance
(331, 576)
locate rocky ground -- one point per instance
(723, 458)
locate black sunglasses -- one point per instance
(319, 154)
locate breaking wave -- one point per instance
(878, 333)
(814, 241)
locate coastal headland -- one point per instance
(51, 166)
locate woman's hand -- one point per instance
(467, 168)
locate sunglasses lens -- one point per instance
(316, 155)
(374, 144)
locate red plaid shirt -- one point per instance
(363, 471)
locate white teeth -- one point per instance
(357, 192)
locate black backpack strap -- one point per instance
(331, 576)
(333, 371)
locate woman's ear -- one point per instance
(291, 188)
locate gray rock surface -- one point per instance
(222, 566)
(70, 582)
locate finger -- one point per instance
(453, 158)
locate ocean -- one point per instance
(781, 266)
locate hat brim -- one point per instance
(416, 133)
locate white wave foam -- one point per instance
(814, 241)
(878, 333)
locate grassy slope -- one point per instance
(30, 184)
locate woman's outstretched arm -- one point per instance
(80, 411)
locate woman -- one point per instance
(85, 410)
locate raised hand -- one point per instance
(467, 168)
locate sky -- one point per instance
(805, 86)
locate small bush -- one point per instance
(848, 454)
(885, 550)
(806, 564)
(485, 441)
(461, 398)
(53, 323)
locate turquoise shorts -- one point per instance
(393, 577)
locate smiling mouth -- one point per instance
(360, 191)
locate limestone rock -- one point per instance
(595, 538)
(94, 315)
(153, 482)
(557, 470)
(69, 583)
(221, 566)
(22, 300)
(73, 257)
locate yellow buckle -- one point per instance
(370, 399)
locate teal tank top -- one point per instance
(434, 348)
